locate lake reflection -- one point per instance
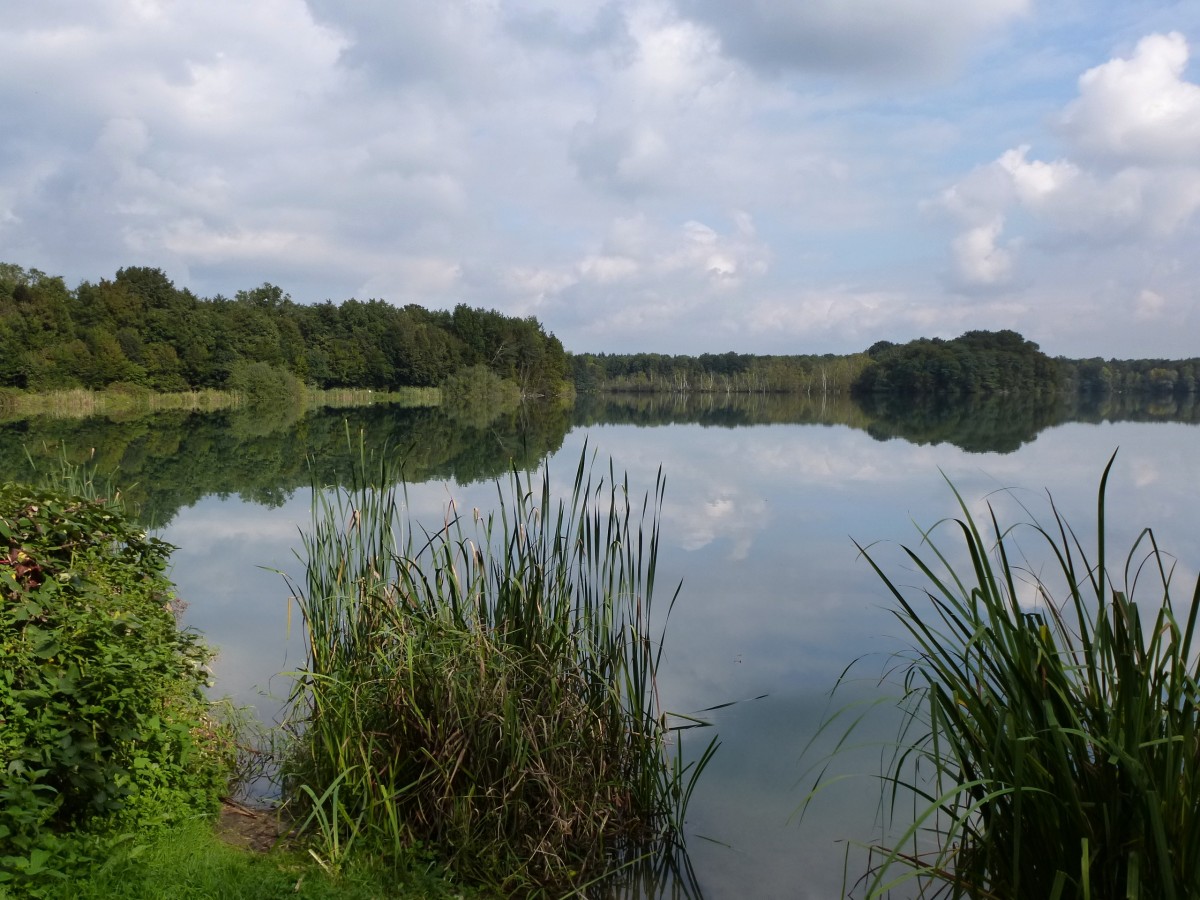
(758, 524)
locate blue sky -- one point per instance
(676, 175)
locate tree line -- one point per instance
(138, 328)
(709, 373)
(977, 364)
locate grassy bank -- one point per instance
(131, 400)
(114, 761)
(485, 691)
(189, 862)
(1051, 745)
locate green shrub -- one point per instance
(260, 383)
(475, 396)
(103, 725)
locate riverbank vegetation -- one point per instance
(1051, 738)
(189, 860)
(125, 400)
(486, 691)
(114, 761)
(104, 729)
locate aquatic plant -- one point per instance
(487, 690)
(1050, 745)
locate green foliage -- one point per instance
(724, 373)
(189, 862)
(1052, 738)
(477, 395)
(262, 384)
(140, 328)
(976, 364)
(491, 697)
(1157, 378)
(103, 726)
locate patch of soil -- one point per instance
(257, 830)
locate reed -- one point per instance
(1050, 746)
(487, 689)
(129, 399)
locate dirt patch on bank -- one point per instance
(253, 829)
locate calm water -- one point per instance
(759, 524)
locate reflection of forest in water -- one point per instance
(168, 460)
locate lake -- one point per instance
(759, 525)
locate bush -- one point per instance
(103, 724)
(477, 395)
(260, 383)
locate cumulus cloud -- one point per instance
(661, 96)
(1140, 110)
(643, 276)
(1132, 175)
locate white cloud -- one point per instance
(1149, 305)
(1140, 110)
(1133, 178)
(980, 260)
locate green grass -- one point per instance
(188, 862)
(486, 689)
(1051, 745)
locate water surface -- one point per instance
(759, 524)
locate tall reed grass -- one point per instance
(124, 399)
(1051, 746)
(486, 690)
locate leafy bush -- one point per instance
(103, 726)
(477, 395)
(260, 383)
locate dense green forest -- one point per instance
(977, 364)
(139, 329)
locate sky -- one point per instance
(678, 176)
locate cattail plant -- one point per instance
(1050, 745)
(485, 689)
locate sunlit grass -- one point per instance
(188, 862)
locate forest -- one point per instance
(139, 331)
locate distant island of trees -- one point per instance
(139, 330)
